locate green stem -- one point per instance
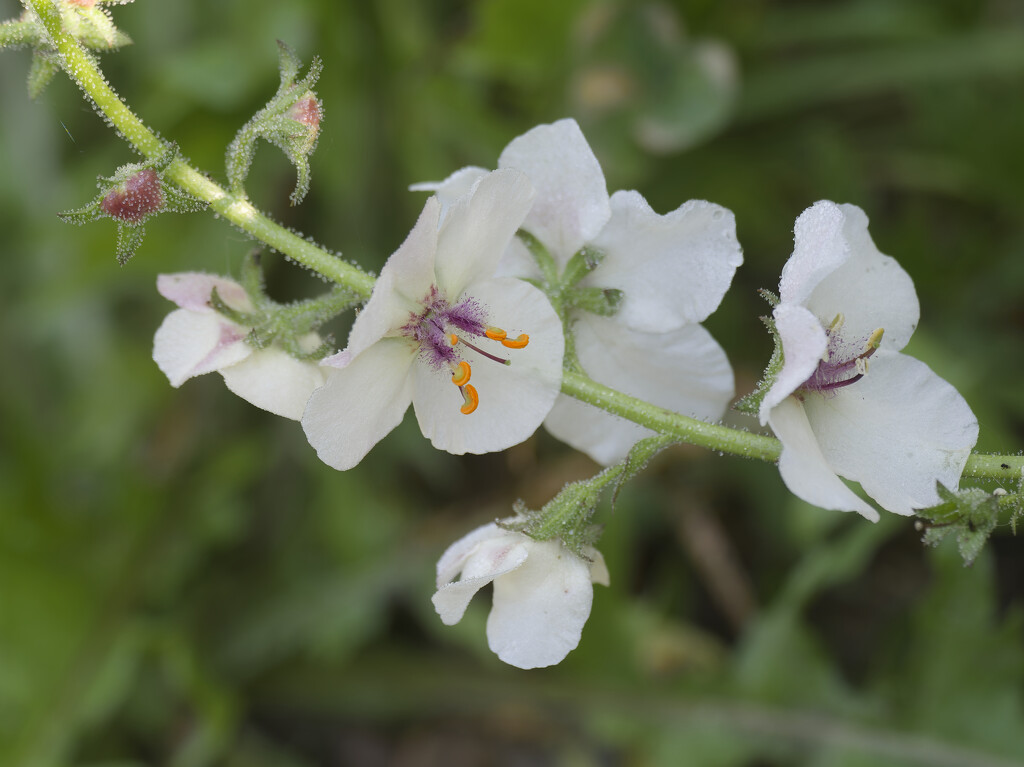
(689, 430)
(81, 67)
(83, 70)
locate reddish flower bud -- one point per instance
(134, 199)
(82, 3)
(307, 111)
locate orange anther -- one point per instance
(495, 334)
(472, 399)
(453, 339)
(518, 343)
(461, 377)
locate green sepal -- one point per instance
(290, 121)
(583, 262)
(971, 515)
(94, 28)
(129, 238)
(604, 302)
(751, 403)
(44, 66)
(540, 254)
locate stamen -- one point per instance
(462, 373)
(495, 334)
(453, 339)
(518, 343)
(478, 350)
(471, 397)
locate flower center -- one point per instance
(443, 332)
(845, 361)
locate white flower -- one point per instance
(431, 324)
(672, 270)
(542, 592)
(195, 339)
(846, 402)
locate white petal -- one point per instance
(819, 248)
(572, 199)
(454, 558)
(517, 261)
(404, 282)
(598, 569)
(360, 404)
(803, 344)
(490, 558)
(897, 431)
(540, 608)
(191, 290)
(452, 188)
(685, 371)
(515, 398)
(674, 269)
(190, 343)
(804, 468)
(274, 380)
(478, 228)
(870, 289)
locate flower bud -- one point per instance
(82, 3)
(135, 198)
(308, 112)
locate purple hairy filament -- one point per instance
(439, 330)
(844, 363)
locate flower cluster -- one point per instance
(507, 272)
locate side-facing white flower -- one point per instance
(845, 402)
(542, 592)
(195, 339)
(431, 325)
(672, 271)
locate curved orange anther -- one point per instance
(495, 334)
(462, 373)
(472, 399)
(453, 339)
(517, 343)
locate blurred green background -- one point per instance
(183, 583)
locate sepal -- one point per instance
(583, 262)
(971, 515)
(290, 121)
(751, 403)
(603, 302)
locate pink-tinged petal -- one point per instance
(189, 344)
(685, 371)
(803, 344)
(192, 290)
(869, 289)
(454, 558)
(673, 269)
(897, 431)
(478, 228)
(275, 381)
(541, 607)
(452, 188)
(492, 557)
(360, 404)
(404, 282)
(514, 398)
(572, 205)
(804, 469)
(819, 248)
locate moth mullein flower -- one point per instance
(542, 592)
(478, 356)
(672, 271)
(196, 339)
(846, 402)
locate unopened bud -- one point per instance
(139, 196)
(307, 111)
(82, 3)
